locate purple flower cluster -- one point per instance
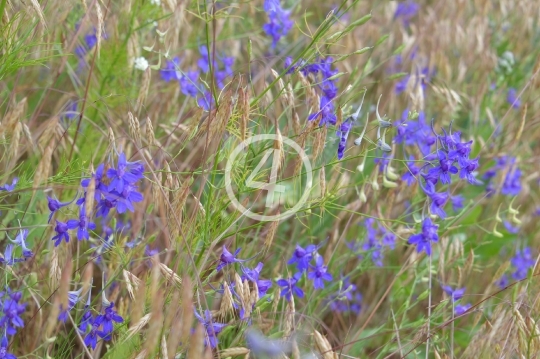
(10, 187)
(423, 239)
(452, 156)
(347, 299)
(279, 23)
(405, 11)
(511, 185)
(121, 193)
(322, 70)
(253, 275)
(455, 295)
(513, 99)
(101, 326)
(227, 258)
(317, 272)
(9, 258)
(189, 81)
(522, 262)
(11, 310)
(212, 328)
(415, 132)
(376, 240)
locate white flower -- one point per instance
(141, 63)
(155, 2)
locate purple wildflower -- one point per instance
(253, 275)
(302, 256)
(212, 329)
(54, 205)
(438, 200)
(512, 98)
(82, 225)
(457, 202)
(107, 319)
(412, 172)
(20, 240)
(318, 273)
(125, 173)
(73, 299)
(10, 187)
(423, 240)
(11, 310)
(189, 83)
(455, 294)
(61, 230)
(168, 73)
(279, 23)
(227, 258)
(462, 308)
(522, 261)
(405, 11)
(289, 287)
(90, 340)
(4, 349)
(444, 169)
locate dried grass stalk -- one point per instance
(187, 309)
(272, 228)
(234, 352)
(143, 91)
(196, 343)
(44, 166)
(169, 274)
(99, 30)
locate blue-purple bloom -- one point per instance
(522, 261)
(290, 288)
(457, 202)
(169, 72)
(73, 299)
(318, 273)
(20, 240)
(54, 205)
(438, 200)
(61, 230)
(455, 294)
(512, 99)
(302, 256)
(212, 328)
(279, 23)
(462, 308)
(124, 174)
(82, 224)
(346, 299)
(189, 83)
(107, 319)
(423, 239)
(4, 349)
(11, 310)
(412, 171)
(10, 187)
(405, 11)
(512, 180)
(227, 258)
(253, 275)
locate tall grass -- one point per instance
(85, 82)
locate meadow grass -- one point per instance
(141, 217)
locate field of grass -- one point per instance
(269, 179)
